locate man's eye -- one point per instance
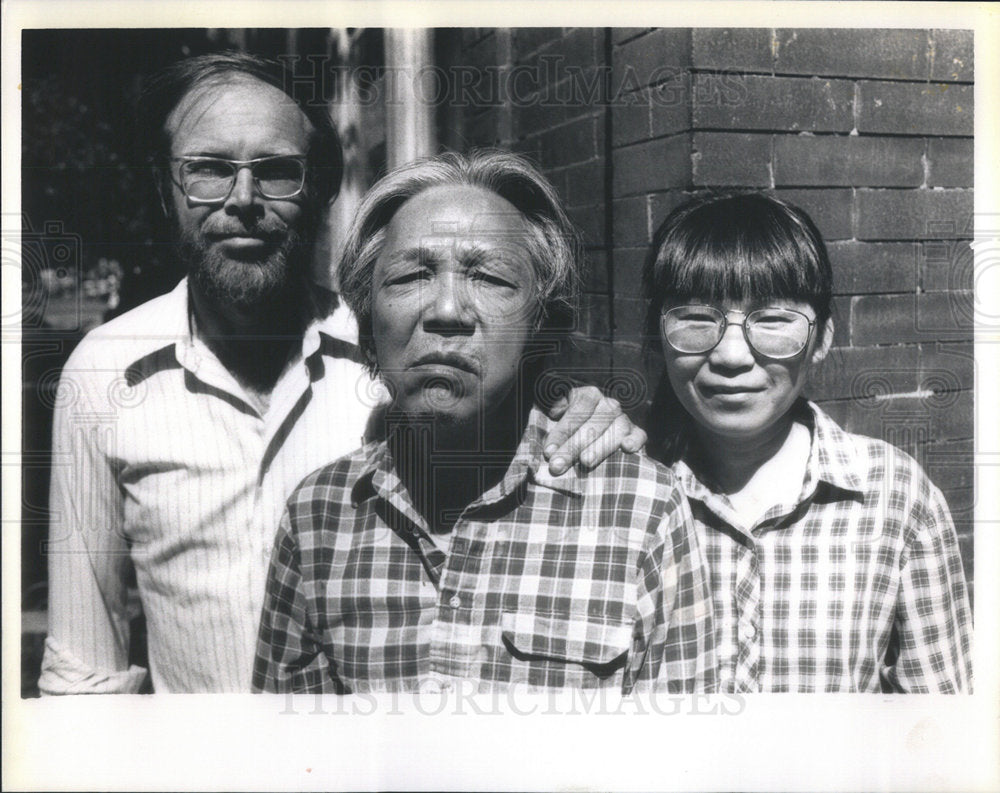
(208, 169)
(492, 279)
(408, 277)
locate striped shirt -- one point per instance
(161, 462)
(856, 587)
(585, 580)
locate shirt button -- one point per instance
(747, 632)
(455, 602)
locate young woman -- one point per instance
(833, 560)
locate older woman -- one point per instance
(833, 560)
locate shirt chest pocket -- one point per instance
(599, 645)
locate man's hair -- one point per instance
(552, 241)
(737, 247)
(164, 90)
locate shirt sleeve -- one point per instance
(689, 658)
(290, 658)
(933, 620)
(88, 642)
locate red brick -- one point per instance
(909, 214)
(892, 319)
(483, 53)
(630, 118)
(485, 129)
(647, 60)
(628, 263)
(578, 141)
(863, 372)
(731, 158)
(537, 115)
(915, 108)
(629, 384)
(829, 160)
(596, 316)
(595, 271)
(621, 35)
(670, 111)
(830, 209)
(527, 40)
(630, 315)
(951, 162)
(907, 422)
(946, 265)
(732, 49)
(662, 204)
(586, 359)
(863, 268)
(471, 35)
(630, 221)
(580, 47)
(656, 165)
(950, 366)
(899, 54)
(953, 58)
(590, 221)
(584, 182)
(950, 465)
(775, 103)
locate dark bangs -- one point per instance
(737, 248)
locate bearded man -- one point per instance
(182, 426)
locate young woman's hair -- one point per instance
(734, 247)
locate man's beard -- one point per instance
(256, 285)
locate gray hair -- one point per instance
(553, 243)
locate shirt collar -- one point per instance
(378, 474)
(833, 459)
(337, 331)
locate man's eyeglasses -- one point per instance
(210, 180)
(771, 332)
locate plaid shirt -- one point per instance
(584, 580)
(857, 586)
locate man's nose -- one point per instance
(447, 305)
(244, 192)
(733, 350)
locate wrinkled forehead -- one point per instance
(223, 104)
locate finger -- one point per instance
(603, 418)
(581, 405)
(607, 443)
(558, 408)
(635, 440)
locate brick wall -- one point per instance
(870, 131)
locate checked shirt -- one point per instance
(591, 579)
(858, 586)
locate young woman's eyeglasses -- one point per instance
(771, 332)
(210, 180)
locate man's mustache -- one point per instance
(269, 229)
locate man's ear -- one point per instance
(825, 342)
